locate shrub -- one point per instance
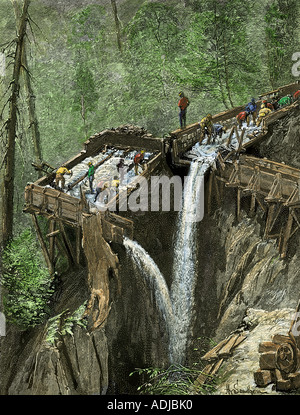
(26, 282)
(175, 380)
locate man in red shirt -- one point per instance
(296, 95)
(183, 104)
(243, 116)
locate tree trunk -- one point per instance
(216, 37)
(117, 21)
(33, 122)
(9, 172)
(226, 70)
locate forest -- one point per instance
(70, 69)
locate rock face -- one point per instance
(283, 144)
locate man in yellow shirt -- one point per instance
(264, 111)
(206, 125)
(59, 178)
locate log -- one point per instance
(263, 378)
(267, 347)
(267, 360)
(280, 338)
(226, 350)
(213, 353)
(54, 233)
(201, 379)
(295, 380)
(281, 383)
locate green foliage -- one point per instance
(60, 325)
(26, 282)
(175, 380)
(281, 20)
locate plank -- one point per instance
(213, 353)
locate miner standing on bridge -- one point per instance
(138, 159)
(59, 178)
(91, 175)
(207, 127)
(183, 104)
(264, 111)
(243, 116)
(251, 108)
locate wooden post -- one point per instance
(217, 189)
(210, 180)
(240, 140)
(230, 136)
(43, 245)
(67, 243)
(269, 220)
(287, 234)
(252, 205)
(78, 244)
(51, 235)
(239, 191)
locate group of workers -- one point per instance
(105, 184)
(207, 128)
(250, 112)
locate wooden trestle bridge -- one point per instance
(73, 225)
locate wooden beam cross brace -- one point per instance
(232, 181)
(43, 244)
(275, 194)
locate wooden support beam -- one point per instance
(231, 153)
(209, 197)
(275, 193)
(43, 244)
(252, 204)
(61, 248)
(260, 202)
(240, 139)
(230, 136)
(218, 197)
(287, 234)
(238, 212)
(221, 161)
(78, 244)
(52, 232)
(68, 244)
(270, 217)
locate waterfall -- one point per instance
(176, 305)
(184, 266)
(154, 278)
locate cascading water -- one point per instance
(176, 305)
(184, 266)
(154, 278)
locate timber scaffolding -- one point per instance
(65, 211)
(272, 186)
